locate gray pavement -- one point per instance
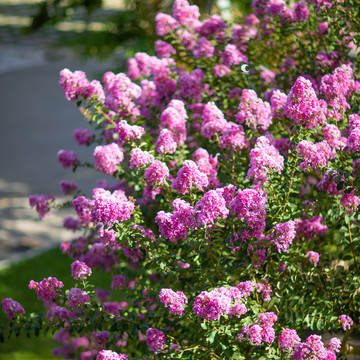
(36, 122)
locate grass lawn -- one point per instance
(14, 283)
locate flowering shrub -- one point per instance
(235, 204)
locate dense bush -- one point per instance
(232, 230)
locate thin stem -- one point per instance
(352, 248)
(345, 339)
(291, 180)
(212, 258)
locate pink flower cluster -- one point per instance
(41, 203)
(345, 322)
(67, 158)
(264, 157)
(313, 257)
(211, 207)
(314, 155)
(155, 340)
(107, 157)
(157, 173)
(165, 142)
(128, 132)
(140, 158)
(314, 348)
(303, 106)
(189, 177)
(174, 300)
(176, 225)
(12, 308)
(68, 187)
(83, 136)
(260, 331)
(47, 288)
(213, 120)
(282, 235)
(110, 355)
(353, 140)
(79, 270)
(77, 298)
(249, 206)
(253, 111)
(211, 305)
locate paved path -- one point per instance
(36, 122)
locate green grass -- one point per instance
(14, 283)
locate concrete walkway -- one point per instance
(36, 122)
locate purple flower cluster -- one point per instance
(12, 308)
(249, 206)
(110, 355)
(314, 348)
(47, 288)
(83, 208)
(211, 207)
(176, 225)
(213, 120)
(174, 118)
(79, 270)
(67, 158)
(233, 137)
(303, 106)
(260, 331)
(68, 187)
(313, 257)
(165, 142)
(174, 300)
(111, 207)
(128, 132)
(107, 158)
(314, 155)
(264, 157)
(309, 227)
(253, 111)
(140, 158)
(288, 339)
(77, 298)
(57, 314)
(282, 235)
(155, 340)
(188, 177)
(353, 140)
(41, 203)
(83, 136)
(157, 173)
(210, 305)
(345, 322)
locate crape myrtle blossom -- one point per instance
(79, 270)
(110, 355)
(211, 208)
(77, 298)
(282, 235)
(353, 140)
(83, 136)
(157, 173)
(313, 257)
(164, 49)
(249, 206)
(83, 208)
(68, 187)
(314, 348)
(12, 308)
(213, 120)
(128, 132)
(288, 339)
(211, 305)
(309, 227)
(188, 177)
(253, 111)
(57, 314)
(314, 155)
(175, 301)
(111, 207)
(140, 158)
(303, 106)
(107, 158)
(41, 203)
(155, 340)
(165, 142)
(264, 157)
(47, 288)
(345, 322)
(233, 137)
(174, 225)
(260, 331)
(67, 158)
